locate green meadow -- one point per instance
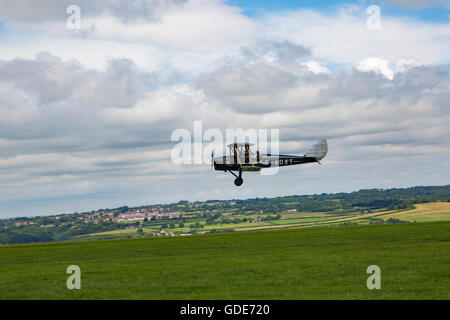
(314, 263)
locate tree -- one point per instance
(140, 231)
(123, 209)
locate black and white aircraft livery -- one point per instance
(241, 159)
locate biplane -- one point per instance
(242, 159)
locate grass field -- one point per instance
(319, 263)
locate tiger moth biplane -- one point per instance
(241, 159)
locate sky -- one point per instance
(87, 110)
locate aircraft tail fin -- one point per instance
(318, 150)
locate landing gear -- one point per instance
(238, 181)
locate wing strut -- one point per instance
(247, 151)
(236, 155)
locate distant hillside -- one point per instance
(365, 199)
(210, 216)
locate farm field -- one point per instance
(423, 212)
(324, 263)
(363, 207)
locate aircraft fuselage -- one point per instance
(267, 161)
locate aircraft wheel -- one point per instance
(238, 181)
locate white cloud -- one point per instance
(189, 37)
(376, 65)
(48, 10)
(315, 67)
(344, 38)
(405, 63)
